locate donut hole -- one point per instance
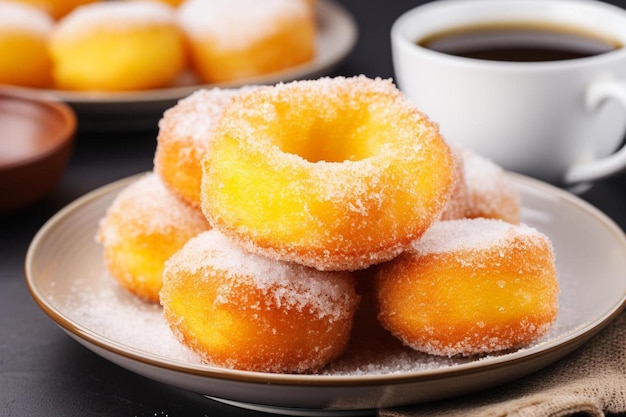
(337, 132)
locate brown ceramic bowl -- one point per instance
(36, 138)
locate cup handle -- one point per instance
(612, 164)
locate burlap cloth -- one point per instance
(590, 381)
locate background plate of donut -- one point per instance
(334, 35)
(68, 279)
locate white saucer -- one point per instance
(67, 278)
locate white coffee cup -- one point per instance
(560, 121)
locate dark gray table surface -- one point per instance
(43, 372)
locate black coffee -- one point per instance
(519, 42)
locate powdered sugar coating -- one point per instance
(235, 24)
(115, 16)
(489, 190)
(485, 190)
(471, 235)
(193, 119)
(146, 207)
(287, 285)
(114, 313)
(19, 17)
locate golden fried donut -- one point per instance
(185, 131)
(242, 311)
(336, 174)
(468, 287)
(236, 39)
(485, 190)
(24, 56)
(117, 46)
(142, 228)
(57, 8)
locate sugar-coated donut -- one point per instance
(185, 131)
(242, 311)
(484, 190)
(24, 56)
(142, 228)
(57, 8)
(335, 173)
(468, 287)
(237, 39)
(116, 46)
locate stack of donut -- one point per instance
(309, 188)
(124, 45)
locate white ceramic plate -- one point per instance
(336, 37)
(66, 276)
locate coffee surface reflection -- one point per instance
(519, 42)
